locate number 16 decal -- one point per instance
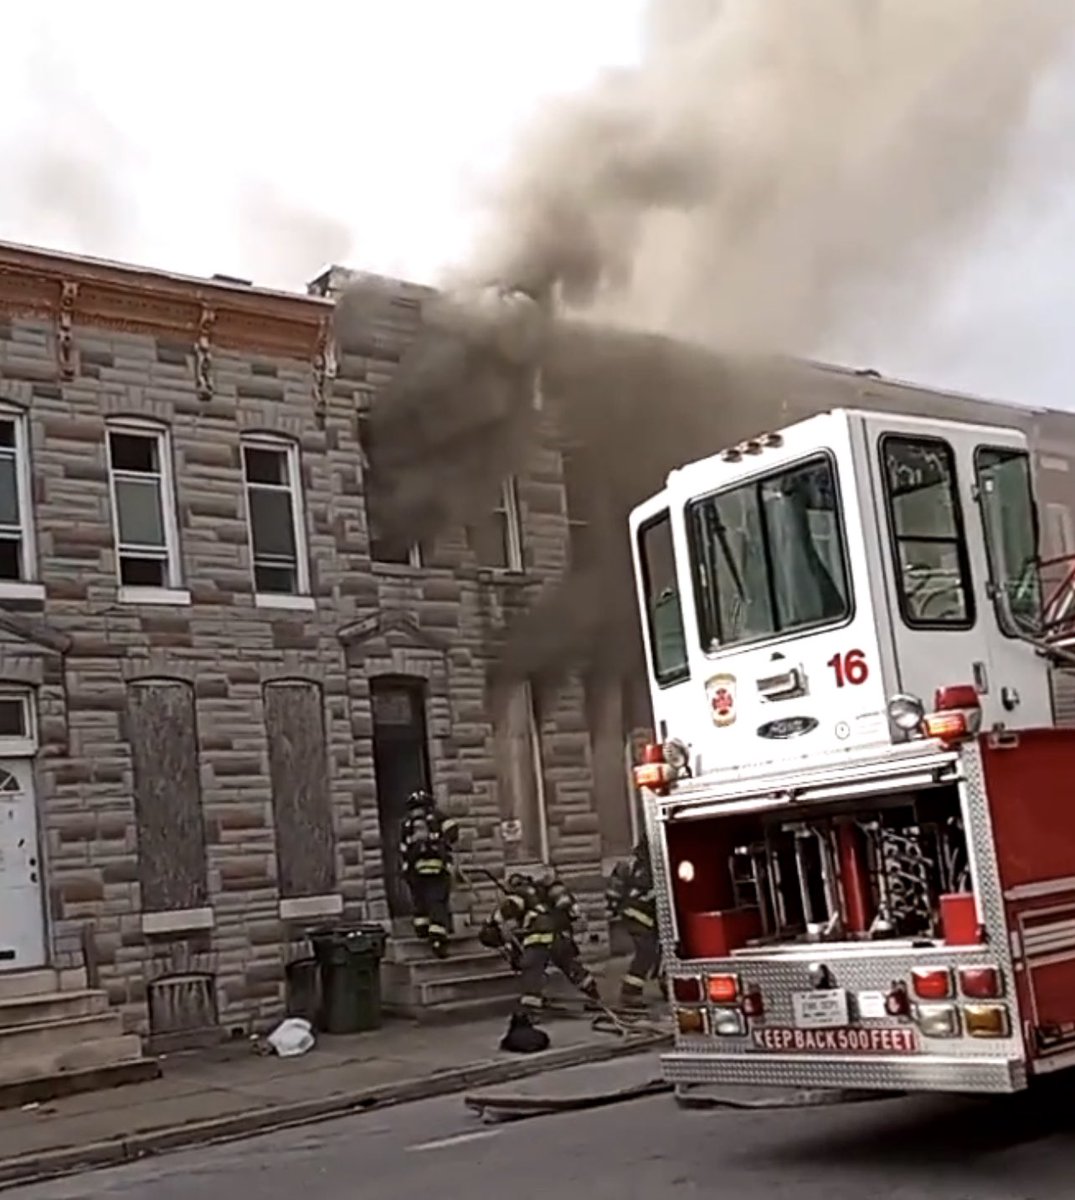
(850, 668)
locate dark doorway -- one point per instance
(401, 766)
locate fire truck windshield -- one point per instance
(769, 555)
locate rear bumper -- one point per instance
(932, 1073)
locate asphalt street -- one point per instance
(920, 1148)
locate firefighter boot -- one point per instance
(631, 992)
(593, 996)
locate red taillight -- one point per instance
(957, 713)
(753, 1004)
(946, 726)
(687, 991)
(932, 983)
(897, 1002)
(959, 695)
(981, 983)
(723, 989)
(653, 772)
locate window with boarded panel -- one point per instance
(302, 805)
(162, 732)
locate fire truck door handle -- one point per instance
(981, 679)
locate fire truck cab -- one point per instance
(857, 801)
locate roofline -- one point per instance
(23, 254)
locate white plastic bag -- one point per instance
(292, 1037)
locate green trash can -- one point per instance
(349, 959)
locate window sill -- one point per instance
(504, 575)
(179, 920)
(390, 569)
(151, 595)
(17, 589)
(283, 600)
(302, 908)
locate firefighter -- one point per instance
(631, 899)
(565, 955)
(426, 840)
(538, 918)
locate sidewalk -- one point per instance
(233, 1092)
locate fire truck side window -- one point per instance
(661, 588)
(926, 524)
(1011, 529)
(769, 556)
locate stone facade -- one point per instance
(179, 840)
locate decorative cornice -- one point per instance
(80, 291)
(358, 633)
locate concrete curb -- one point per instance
(68, 1160)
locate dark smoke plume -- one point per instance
(768, 170)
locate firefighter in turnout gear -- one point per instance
(535, 920)
(630, 898)
(426, 840)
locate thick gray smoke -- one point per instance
(769, 170)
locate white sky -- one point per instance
(231, 137)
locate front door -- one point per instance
(401, 766)
(22, 914)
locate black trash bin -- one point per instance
(350, 963)
(303, 989)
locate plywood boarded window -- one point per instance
(520, 774)
(302, 804)
(162, 732)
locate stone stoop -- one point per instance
(58, 1037)
(471, 982)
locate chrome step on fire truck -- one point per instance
(860, 811)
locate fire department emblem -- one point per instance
(720, 692)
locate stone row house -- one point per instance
(217, 687)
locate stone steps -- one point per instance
(18, 1011)
(58, 1036)
(471, 981)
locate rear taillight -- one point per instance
(723, 989)
(987, 1020)
(687, 991)
(981, 983)
(937, 1020)
(932, 983)
(690, 1020)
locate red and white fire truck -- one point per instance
(860, 810)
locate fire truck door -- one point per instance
(934, 564)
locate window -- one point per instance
(143, 508)
(17, 554)
(274, 508)
(382, 549)
(18, 731)
(498, 542)
(769, 556)
(1011, 530)
(660, 587)
(933, 581)
(1059, 531)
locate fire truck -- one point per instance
(860, 810)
